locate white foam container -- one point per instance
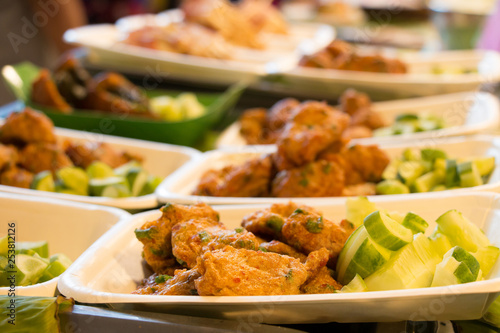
(160, 159)
(179, 186)
(111, 269)
(465, 113)
(68, 227)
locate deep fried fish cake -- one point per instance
(28, 126)
(38, 157)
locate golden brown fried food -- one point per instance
(352, 101)
(28, 126)
(309, 231)
(156, 235)
(357, 132)
(181, 282)
(250, 179)
(38, 157)
(14, 176)
(44, 92)
(242, 272)
(368, 161)
(280, 113)
(263, 16)
(368, 118)
(84, 153)
(362, 189)
(283, 249)
(314, 127)
(8, 156)
(317, 179)
(321, 283)
(253, 125)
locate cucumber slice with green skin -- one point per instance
(385, 131)
(357, 209)
(98, 185)
(391, 186)
(469, 175)
(386, 232)
(391, 170)
(484, 165)
(440, 164)
(29, 269)
(415, 223)
(458, 266)
(461, 231)
(58, 264)
(116, 191)
(403, 128)
(151, 185)
(4, 245)
(432, 154)
(137, 179)
(487, 257)
(99, 169)
(360, 255)
(75, 179)
(356, 285)
(428, 181)
(424, 125)
(411, 154)
(409, 171)
(426, 251)
(122, 170)
(451, 178)
(41, 247)
(396, 216)
(404, 270)
(3, 263)
(406, 117)
(43, 181)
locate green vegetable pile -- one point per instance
(411, 123)
(31, 263)
(432, 170)
(99, 179)
(390, 251)
(183, 107)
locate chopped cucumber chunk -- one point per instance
(391, 186)
(469, 175)
(461, 231)
(415, 223)
(99, 169)
(458, 266)
(355, 286)
(386, 232)
(358, 208)
(75, 179)
(43, 181)
(137, 179)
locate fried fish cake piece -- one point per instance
(276, 246)
(317, 179)
(321, 283)
(351, 101)
(368, 161)
(38, 157)
(28, 126)
(268, 222)
(357, 132)
(280, 113)
(84, 153)
(44, 92)
(8, 156)
(156, 235)
(314, 127)
(253, 125)
(250, 179)
(242, 272)
(309, 231)
(180, 283)
(14, 176)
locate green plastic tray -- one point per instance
(187, 132)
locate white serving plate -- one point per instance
(323, 83)
(160, 159)
(110, 270)
(282, 53)
(466, 113)
(68, 227)
(179, 186)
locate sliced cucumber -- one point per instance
(75, 179)
(122, 170)
(41, 247)
(355, 286)
(485, 165)
(428, 181)
(43, 181)
(116, 191)
(415, 223)
(458, 266)
(439, 188)
(451, 178)
(391, 186)
(469, 175)
(407, 117)
(386, 232)
(461, 231)
(391, 171)
(58, 264)
(97, 185)
(426, 251)
(137, 179)
(99, 169)
(28, 269)
(411, 154)
(432, 154)
(409, 171)
(487, 257)
(151, 185)
(357, 209)
(440, 242)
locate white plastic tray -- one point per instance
(159, 159)
(68, 227)
(179, 186)
(283, 52)
(109, 271)
(466, 113)
(420, 81)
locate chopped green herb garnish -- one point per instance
(299, 211)
(304, 182)
(239, 230)
(145, 233)
(193, 292)
(156, 252)
(263, 249)
(327, 168)
(288, 275)
(204, 236)
(180, 261)
(275, 223)
(315, 226)
(167, 206)
(162, 278)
